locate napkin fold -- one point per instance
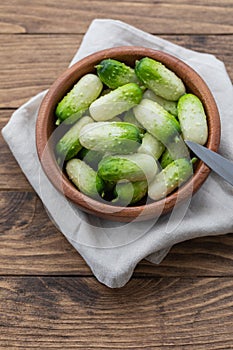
(112, 250)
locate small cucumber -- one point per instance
(113, 137)
(166, 159)
(157, 121)
(85, 178)
(150, 145)
(175, 174)
(77, 101)
(116, 102)
(90, 157)
(130, 118)
(116, 119)
(192, 119)
(114, 73)
(129, 192)
(161, 80)
(175, 150)
(133, 167)
(170, 106)
(105, 92)
(68, 146)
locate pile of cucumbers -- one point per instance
(125, 131)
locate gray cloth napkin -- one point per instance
(112, 250)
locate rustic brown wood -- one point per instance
(206, 256)
(74, 312)
(31, 63)
(31, 244)
(24, 75)
(79, 313)
(20, 16)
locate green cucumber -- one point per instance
(157, 121)
(158, 78)
(166, 159)
(175, 150)
(68, 146)
(112, 137)
(116, 102)
(90, 157)
(114, 73)
(129, 117)
(116, 119)
(133, 167)
(105, 92)
(192, 118)
(174, 175)
(170, 106)
(150, 145)
(129, 192)
(85, 178)
(76, 102)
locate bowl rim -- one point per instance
(112, 212)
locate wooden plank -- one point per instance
(156, 17)
(210, 3)
(31, 244)
(31, 63)
(80, 313)
(206, 256)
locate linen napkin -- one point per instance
(112, 250)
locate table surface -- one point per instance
(49, 298)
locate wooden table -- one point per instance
(49, 298)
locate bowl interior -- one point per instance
(46, 125)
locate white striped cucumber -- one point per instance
(114, 73)
(158, 78)
(175, 150)
(132, 167)
(129, 192)
(150, 145)
(85, 178)
(112, 137)
(170, 106)
(76, 102)
(157, 121)
(68, 146)
(192, 119)
(90, 157)
(130, 118)
(116, 102)
(174, 175)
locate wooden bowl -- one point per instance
(46, 125)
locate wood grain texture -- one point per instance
(156, 309)
(23, 16)
(31, 63)
(31, 244)
(79, 313)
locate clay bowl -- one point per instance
(46, 126)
